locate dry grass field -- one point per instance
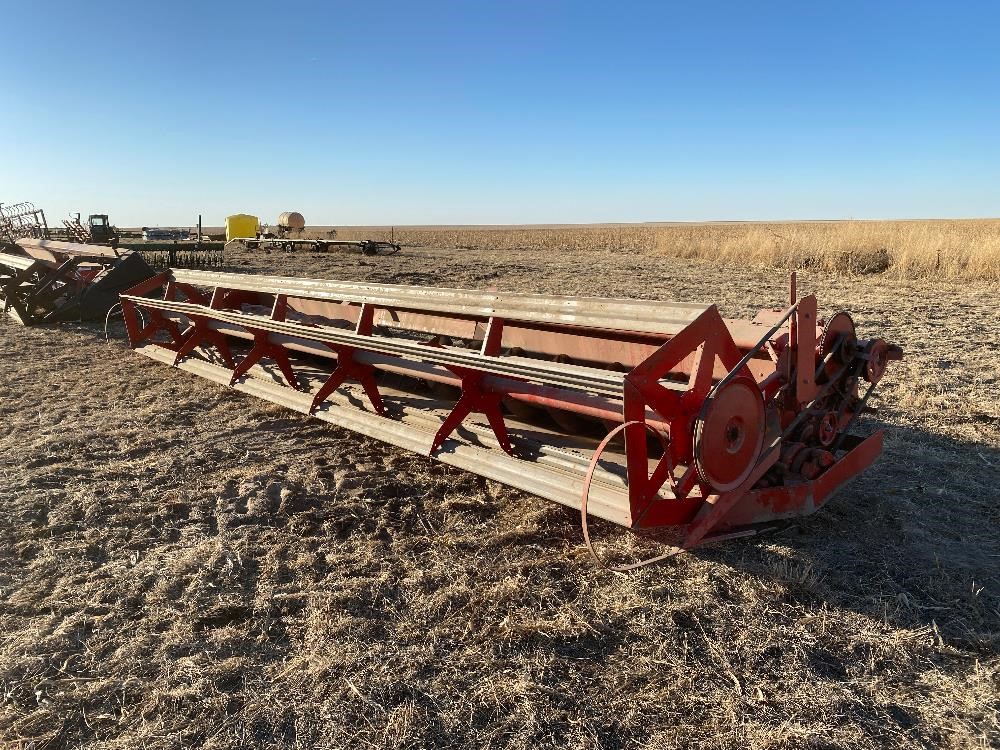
(950, 249)
(183, 566)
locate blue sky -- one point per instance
(512, 112)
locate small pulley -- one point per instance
(839, 339)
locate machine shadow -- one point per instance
(913, 542)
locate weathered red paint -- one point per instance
(724, 461)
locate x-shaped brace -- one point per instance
(200, 333)
(348, 368)
(264, 347)
(475, 398)
(159, 322)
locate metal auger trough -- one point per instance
(44, 281)
(708, 425)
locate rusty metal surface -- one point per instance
(775, 503)
(47, 281)
(58, 247)
(589, 312)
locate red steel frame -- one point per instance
(752, 416)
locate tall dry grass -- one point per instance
(950, 249)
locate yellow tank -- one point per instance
(241, 226)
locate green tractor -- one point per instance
(101, 231)
(98, 230)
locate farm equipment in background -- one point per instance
(290, 233)
(289, 245)
(648, 414)
(180, 254)
(164, 234)
(97, 231)
(44, 281)
(173, 248)
(22, 220)
(162, 248)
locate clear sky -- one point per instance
(368, 112)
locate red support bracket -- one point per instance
(151, 284)
(193, 295)
(475, 398)
(137, 334)
(493, 337)
(157, 322)
(264, 347)
(160, 322)
(366, 320)
(348, 368)
(131, 318)
(201, 333)
(805, 350)
(706, 339)
(279, 310)
(715, 508)
(702, 343)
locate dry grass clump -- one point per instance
(950, 249)
(901, 249)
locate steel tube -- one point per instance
(596, 407)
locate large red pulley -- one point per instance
(729, 434)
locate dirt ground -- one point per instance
(184, 566)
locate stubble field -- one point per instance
(952, 249)
(183, 566)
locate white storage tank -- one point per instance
(292, 220)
